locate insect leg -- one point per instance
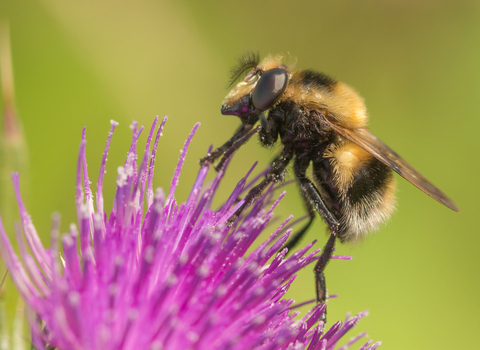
(236, 145)
(275, 174)
(241, 131)
(311, 192)
(313, 196)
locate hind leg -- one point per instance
(313, 196)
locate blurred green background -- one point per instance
(416, 63)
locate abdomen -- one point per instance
(364, 189)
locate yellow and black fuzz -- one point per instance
(321, 123)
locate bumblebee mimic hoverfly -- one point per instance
(320, 122)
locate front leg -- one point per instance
(236, 145)
(267, 132)
(243, 130)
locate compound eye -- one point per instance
(271, 84)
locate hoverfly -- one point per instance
(320, 122)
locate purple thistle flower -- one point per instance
(172, 276)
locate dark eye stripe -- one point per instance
(271, 84)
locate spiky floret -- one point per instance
(158, 274)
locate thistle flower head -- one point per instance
(158, 274)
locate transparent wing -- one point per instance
(370, 143)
